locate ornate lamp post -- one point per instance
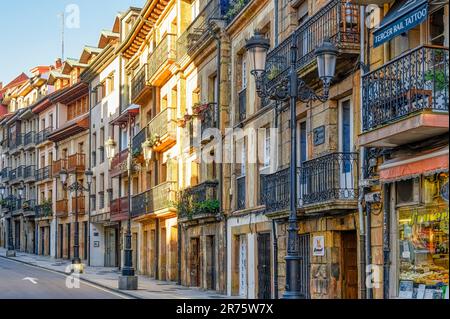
(10, 252)
(292, 89)
(76, 188)
(128, 280)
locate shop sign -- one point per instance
(319, 246)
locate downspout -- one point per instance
(179, 255)
(90, 168)
(368, 244)
(157, 249)
(362, 265)
(386, 239)
(276, 21)
(275, 259)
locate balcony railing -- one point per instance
(241, 192)
(119, 209)
(30, 172)
(164, 126)
(13, 174)
(59, 166)
(29, 138)
(331, 177)
(198, 194)
(42, 136)
(117, 163)
(139, 82)
(4, 174)
(62, 208)
(159, 197)
(15, 141)
(138, 139)
(242, 110)
(29, 205)
(76, 162)
(20, 172)
(44, 173)
(164, 52)
(417, 80)
(43, 211)
(275, 190)
(78, 203)
(208, 116)
(196, 35)
(337, 21)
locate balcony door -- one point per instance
(345, 146)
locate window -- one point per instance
(407, 191)
(436, 27)
(244, 73)
(266, 148)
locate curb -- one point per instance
(82, 279)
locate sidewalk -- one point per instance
(108, 278)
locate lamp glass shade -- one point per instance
(2, 189)
(20, 190)
(326, 56)
(257, 48)
(63, 177)
(148, 150)
(89, 176)
(110, 146)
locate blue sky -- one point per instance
(31, 30)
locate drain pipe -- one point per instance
(275, 259)
(386, 239)
(362, 264)
(368, 244)
(276, 21)
(90, 169)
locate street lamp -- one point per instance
(76, 187)
(147, 148)
(294, 89)
(128, 280)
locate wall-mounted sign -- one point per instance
(319, 246)
(96, 244)
(319, 135)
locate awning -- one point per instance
(406, 168)
(403, 16)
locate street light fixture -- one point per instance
(76, 188)
(147, 148)
(110, 146)
(292, 88)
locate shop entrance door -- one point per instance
(195, 262)
(264, 283)
(350, 266)
(305, 265)
(211, 263)
(110, 254)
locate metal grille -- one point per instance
(305, 265)
(240, 192)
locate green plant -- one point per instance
(438, 77)
(273, 73)
(209, 206)
(47, 207)
(234, 8)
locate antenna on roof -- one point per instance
(63, 20)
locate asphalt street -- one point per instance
(21, 281)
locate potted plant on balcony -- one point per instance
(209, 206)
(234, 8)
(26, 206)
(47, 207)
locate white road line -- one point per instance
(65, 275)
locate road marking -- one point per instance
(110, 291)
(32, 280)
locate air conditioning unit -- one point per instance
(408, 191)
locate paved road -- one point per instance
(49, 285)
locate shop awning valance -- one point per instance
(406, 168)
(403, 16)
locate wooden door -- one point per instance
(264, 273)
(211, 262)
(110, 246)
(163, 251)
(195, 262)
(145, 262)
(350, 267)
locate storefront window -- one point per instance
(424, 250)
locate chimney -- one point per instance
(58, 63)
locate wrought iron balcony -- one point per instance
(337, 21)
(79, 203)
(138, 139)
(76, 163)
(161, 58)
(156, 199)
(13, 174)
(118, 162)
(241, 193)
(197, 34)
(42, 136)
(275, 191)
(164, 127)
(62, 208)
(4, 174)
(414, 82)
(44, 173)
(329, 179)
(20, 172)
(208, 117)
(192, 198)
(43, 211)
(15, 142)
(29, 172)
(29, 139)
(59, 166)
(119, 209)
(139, 85)
(29, 206)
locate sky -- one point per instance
(30, 30)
